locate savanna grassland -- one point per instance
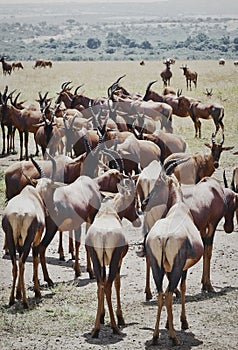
(64, 317)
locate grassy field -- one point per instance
(97, 76)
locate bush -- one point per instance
(93, 43)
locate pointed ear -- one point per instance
(227, 148)
(208, 145)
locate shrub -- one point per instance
(93, 43)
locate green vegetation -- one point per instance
(115, 33)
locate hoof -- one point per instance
(91, 275)
(18, 295)
(102, 319)
(148, 296)
(11, 302)
(25, 305)
(175, 341)
(95, 333)
(37, 294)
(120, 321)
(77, 273)
(184, 325)
(116, 330)
(208, 288)
(62, 258)
(153, 341)
(50, 283)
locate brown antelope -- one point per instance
(107, 246)
(168, 143)
(67, 212)
(74, 100)
(23, 120)
(173, 245)
(205, 201)
(17, 65)
(6, 67)
(190, 76)
(199, 164)
(206, 111)
(48, 134)
(180, 104)
(23, 223)
(166, 74)
(155, 110)
(42, 64)
(8, 124)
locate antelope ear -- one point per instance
(208, 145)
(227, 148)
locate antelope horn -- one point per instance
(86, 144)
(65, 84)
(78, 87)
(16, 98)
(40, 96)
(213, 139)
(113, 160)
(225, 179)
(5, 93)
(53, 165)
(170, 167)
(45, 95)
(223, 139)
(38, 168)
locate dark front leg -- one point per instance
(3, 139)
(26, 144)
(207, 255)
(51, 229)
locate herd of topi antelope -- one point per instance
(104, 160)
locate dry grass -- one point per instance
(97, 76)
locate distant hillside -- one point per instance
(184, 29)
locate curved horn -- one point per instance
(77, 88)
(225, 179)
(213, 139)
(114, 162)
(5, 93)
(65, 84)
(53, 165)
(118, 158)
(38, 168)
(114, 86)
(87, 145)
(72, 121)
(148, 88)
(223, 139)
(40, 96)
(169, 168)
(16, 98)
(45, 95)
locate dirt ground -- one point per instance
(65, 315)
